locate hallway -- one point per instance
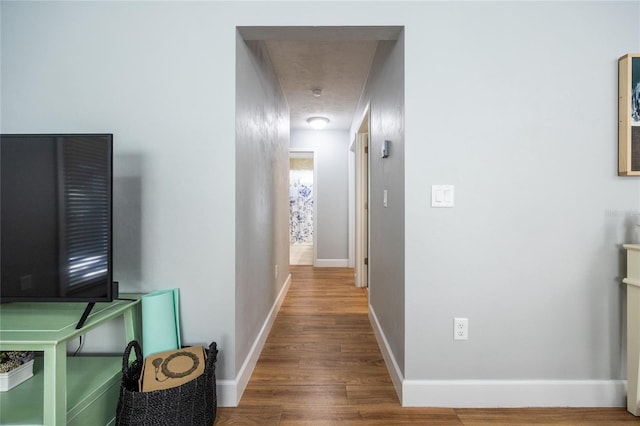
(321, 365)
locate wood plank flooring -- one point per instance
(321, 365)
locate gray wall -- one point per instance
(331, 149)
(515, 103)
(384, 93)
(262, 192)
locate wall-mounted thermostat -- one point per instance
(385, 149)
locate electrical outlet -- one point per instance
(460, 328)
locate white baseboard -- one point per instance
(226, 393)
(513, 393)
(331, 263)
(389, 359)
(229, 392)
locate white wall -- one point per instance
(139, 70)
(331, 189)
(512, 102)
(518, 105)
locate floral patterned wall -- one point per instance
(301, 201)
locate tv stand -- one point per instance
(85, 315)
(77, 390)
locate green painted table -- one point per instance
(66, 386)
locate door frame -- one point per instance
(361, 210)
(297, 152)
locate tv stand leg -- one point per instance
(85, 315)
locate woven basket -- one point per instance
(192, 403)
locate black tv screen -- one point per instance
(56, 217)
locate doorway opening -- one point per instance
(302, 208)
(279, 73)
(361, 149)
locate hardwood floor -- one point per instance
(321, 365)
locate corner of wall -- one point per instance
(230, 391)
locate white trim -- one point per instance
(362, 248)
(389, 359)
(352, 181)
(331, 263)
(513, 393)
(351, 236)
(229, 392)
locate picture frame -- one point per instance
(629, 115)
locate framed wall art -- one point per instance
(629, 115)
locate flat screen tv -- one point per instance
(56, 217)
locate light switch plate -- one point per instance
(442, 196)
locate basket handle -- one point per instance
(212, 355)
(127, 352)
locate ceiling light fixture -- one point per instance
(317, 92)
(318, 123)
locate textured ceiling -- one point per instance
(334, 59)
(338, 68)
